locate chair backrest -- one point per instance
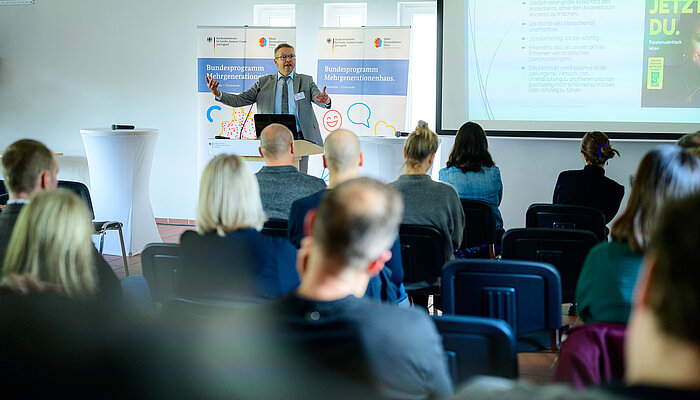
(560, 216)
(563, 248)
(81, 190)
(423, 252)
(4, 194)
(479, 226)
(275, 228)
(160, 263)
(525, 294)
(477, 346)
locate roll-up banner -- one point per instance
(236, 57)
(365, 71)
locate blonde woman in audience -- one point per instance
(51, 241)
(428, 202)
(228, 257)
(610, 271)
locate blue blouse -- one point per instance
(484, 185)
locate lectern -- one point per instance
(248, 148)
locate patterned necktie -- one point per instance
(285, 96)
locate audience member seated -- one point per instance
(343, 158)
(228, 256)
(52, 242)
(590, 187)
(609, 273)
(29, 167)
(471, 170)
(351, 233)
(280, 181)
(662, 348)
(428, 202)
(690, 141)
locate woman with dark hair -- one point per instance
(609, 273)
(471, 170)
(589, 187)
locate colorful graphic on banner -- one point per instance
(236, 57)
(671, 54)
(365, 71)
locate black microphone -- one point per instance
(240, 134)
(117, 127)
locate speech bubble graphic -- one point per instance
(384, 129)
(212, 108)
(359, 114)
(332, 120)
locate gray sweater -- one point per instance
(281, 186)
(437, 204)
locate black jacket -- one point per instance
(589, 187)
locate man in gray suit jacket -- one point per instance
(269, 93)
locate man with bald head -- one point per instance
(348, 242)
(280, 181)
(343, 158)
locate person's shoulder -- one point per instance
(280, 244)
(613, 185)
(313, 179)
(570, 174)
(303, 76)
(391, 317)
(445, 188)
(483, 387)
(188, 235)
(612, 251)
(492, 169)
(310, 201)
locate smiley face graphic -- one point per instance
(332, 120)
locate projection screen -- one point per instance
(562, 67)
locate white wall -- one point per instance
(530, 167)
(69, 64)
(66, 65)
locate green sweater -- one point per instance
(607, 281)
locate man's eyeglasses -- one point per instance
(288, 57)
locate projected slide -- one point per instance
(575, 64)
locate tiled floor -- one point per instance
(537, 367)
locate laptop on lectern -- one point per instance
(288, 120)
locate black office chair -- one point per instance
(479, 226)
(160, 262)
(4, 194)
(525, 294)
(560, 216)
(565, 249)
(275, 228)
(100, 227)
(423, 253)
(477, 346)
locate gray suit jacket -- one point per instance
(266, 101)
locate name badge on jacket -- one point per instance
(299, 96)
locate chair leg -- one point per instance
(555, 339)
(121, 240)
(102, 241)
